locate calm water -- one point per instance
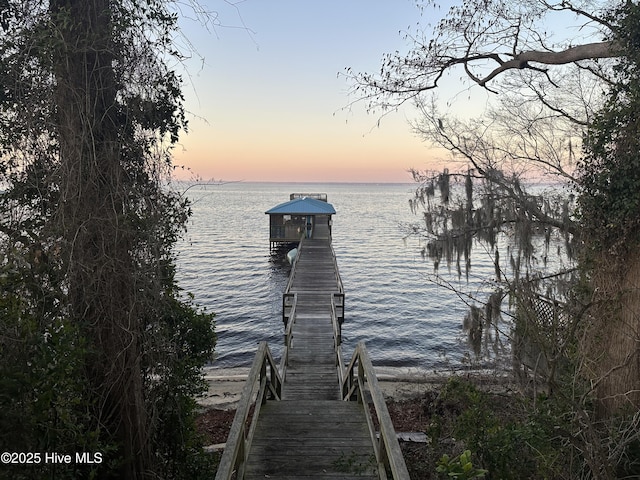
(405, 319)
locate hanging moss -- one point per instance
(444, 186)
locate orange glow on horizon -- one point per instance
(292, 155)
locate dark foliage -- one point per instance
(610, 170)
(99, 350)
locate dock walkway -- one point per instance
(311, 369)
(310, 431)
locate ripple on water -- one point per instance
(225, 262)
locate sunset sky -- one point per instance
(266, 102)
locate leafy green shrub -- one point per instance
(459, 467)
(515, 446)
(183, 341)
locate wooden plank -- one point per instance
(330, 426)
(342, 467)
(317, 408)
(301, 363)
(314, 442)
(322, 475)
(323, 439)
(306, 459)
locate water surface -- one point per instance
(405, 319)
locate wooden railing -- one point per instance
(293, 266)
(337, 306)
(289, 303)
(357, 380)
(263, 382)
(335, 267)
(337, 317)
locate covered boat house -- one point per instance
(304, 215)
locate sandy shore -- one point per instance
(226, 384)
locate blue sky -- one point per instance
(267, 102)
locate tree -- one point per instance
(546, 68)
(489, 39)
(610, 215)
(547, 88)
(89, 112)
(530, 235)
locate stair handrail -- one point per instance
(358, 375)
(236, 451)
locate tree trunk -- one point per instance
(93, 223)
(612, 343)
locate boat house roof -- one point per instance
(303, 206)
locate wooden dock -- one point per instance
(303, 424)
(312, 370)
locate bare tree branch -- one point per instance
(588, 51)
